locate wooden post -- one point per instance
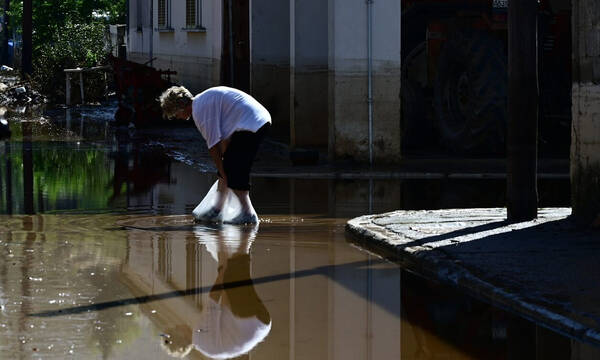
(105, 86)
(81, 126)
(80, 71)
(68, 118)
(81, 87)
(68, 89)
(522, 111)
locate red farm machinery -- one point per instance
(138, 87)
(455, 75)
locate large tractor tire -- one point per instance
(416, 129)
(470, 94)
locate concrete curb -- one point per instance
(371, 233)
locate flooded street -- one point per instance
(100, 259)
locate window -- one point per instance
(193, 14)
(164, 13)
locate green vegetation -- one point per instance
(72, 46)
(66, 176)
(49, 15)
(69, 34)
(83, 175)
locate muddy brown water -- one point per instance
(100, 259)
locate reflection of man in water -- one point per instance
(235, 319)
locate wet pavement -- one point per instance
(100, 259)
(545, 269)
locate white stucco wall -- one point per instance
(309, 54)
(309, 67)
(311, 34)
(194, 55)
(348, 33)
(348, 90)
(270, 58)
(138, 37)
(270, 32)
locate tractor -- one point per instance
(455, 76)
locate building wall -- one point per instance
(585, 142)
(289, 67)
(270, 57)
(309, 68)
(310, 71)
(195, 55)
(348, 89)
(325, 56)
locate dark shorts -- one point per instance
(239, 156)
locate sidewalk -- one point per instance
(545, 270)
(185, 144)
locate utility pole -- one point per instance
(26, 66)
(523, 94)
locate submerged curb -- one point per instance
(416, 240)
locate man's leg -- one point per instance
(221, 194)
(213, 214)
(238, 163)
(247, 214)
(244, 197)
(222, 186)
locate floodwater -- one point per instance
(100, 259)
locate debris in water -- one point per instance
(19, 95)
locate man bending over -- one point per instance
(233, 124)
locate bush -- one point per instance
(71, 46)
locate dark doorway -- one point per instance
(235, 70)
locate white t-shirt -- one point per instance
(220, 111)
(222, 335)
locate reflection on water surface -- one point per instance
(149, 287)
(44, 177)
(100, 259)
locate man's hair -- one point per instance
(174, 99)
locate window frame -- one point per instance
(197, 26)
(167, 15)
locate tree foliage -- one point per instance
(48, 14)
(72, 46)
(68, 34)
(68, 178)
